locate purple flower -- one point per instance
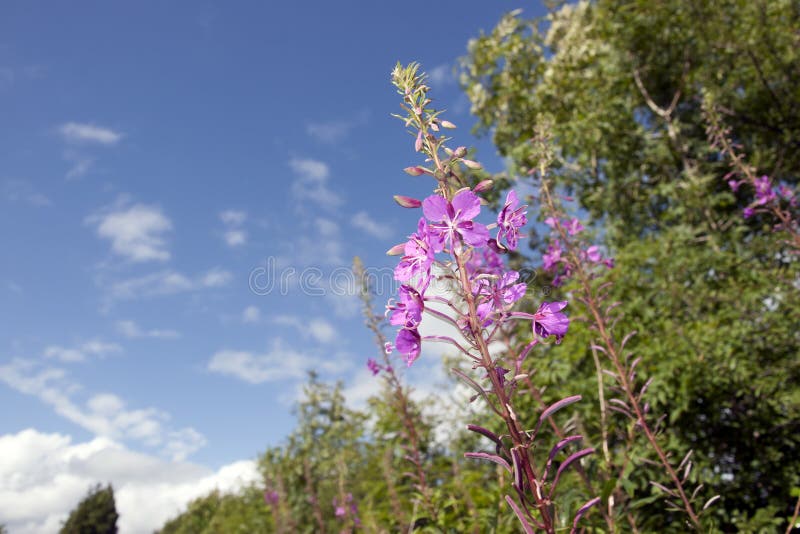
(748, 212)
(735, 184)
(408, 311)
(388, 347)
(373, 366)
(574, 227)
(486, 262)
(510, 220)
(271, 497)
(593, 253)
(609, 262)
(451, 220)
(552, 222)
(553, 255)
(764, 192)
(409, 343)
(497, 295)
(419, 253)
(340, 511)
(549, 321)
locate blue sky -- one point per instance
(153, 157)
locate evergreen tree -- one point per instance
(95, 514)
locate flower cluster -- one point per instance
(348, 507)
(766, 194)
(450, 227)
(556, 261)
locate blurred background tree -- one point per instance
(95, 514)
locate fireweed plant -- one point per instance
(778, 201)
(399, 394)
(444, 250)
(570, 257)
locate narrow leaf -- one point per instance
(710, 501)
(663, 488)
(581, 511)
(525, 525)
(554, 408)
(491, 457)
(484, 432)
(566, 463)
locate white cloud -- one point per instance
(329, 132)
(43, 476)
(234, 236)
(132, 330)
(94, 347)
(75, 132)
(23, 191)
(364, 222)
(216, 278)
(233, 217)
(311, 184)
(251, 314)
(441, 75)
(278, 363)
(136, 233)
(103, 414)
(80, 164)
(166, 283)
(320, 329)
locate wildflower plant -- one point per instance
(445, 251)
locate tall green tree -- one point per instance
(714, 296)
(95, 514)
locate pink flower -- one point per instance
(452, 221)
(510, 220)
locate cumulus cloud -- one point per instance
(311, 183)
(136, 232)
(166, 282)
(442, 75)
(319, 329)
(103, 414)
(234, 235)
(365, 223)
(329, 132)
(278, 363)
(251, 314)
(76, 132)
(44, 475)
(82, 352)
(131, 329)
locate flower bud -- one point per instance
(414, 171)
(396, 250)
(407, 202)
(418, 142)
(448, 124)
(485, 185)
(460, 152)
(472, 164)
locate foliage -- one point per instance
(216, 512)
(95, 514)
(712, 294)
